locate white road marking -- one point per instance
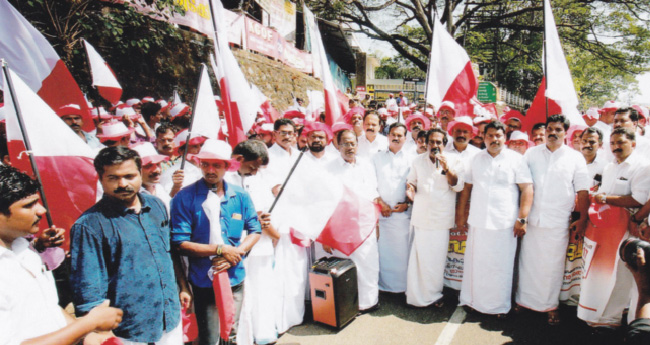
(456, 319)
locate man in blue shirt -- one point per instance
(120, 251)
(209, 218)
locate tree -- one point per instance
(139, 49)
(505, 36)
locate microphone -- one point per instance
(435, 152)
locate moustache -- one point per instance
(618, 150)
(396, 141)
(154, 175)
(370, 130)
(38, 220)
(552, 136)
(495, 143)
(587, 148)
(459, 138)
(124, 190)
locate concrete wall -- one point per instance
(275, 79)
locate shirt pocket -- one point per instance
(622, 187)
(504, 176)
(233, 229)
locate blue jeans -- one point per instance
(207, 314)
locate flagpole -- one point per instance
(286, 180)
(426, 80)
(83, 40)
(545, 57)
(189, 130)
(28, 146)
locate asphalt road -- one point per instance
(396, 323)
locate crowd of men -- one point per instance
(457, 193)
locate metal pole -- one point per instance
(545, 59)
(286, 180)
(426, 80)
(28, 146)
(189, 130)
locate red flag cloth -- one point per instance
(537, 111)
(241, 100)
(112, 341)
(103, 77)
(331, 213)
(225, 303)
(64, 160)
(351, 223)
(270, 113)
(31, 57)
(333, 107)
(190, 326)
(451, 76)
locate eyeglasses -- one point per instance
(285, 133)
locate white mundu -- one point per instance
(392, 170)
(557, 177)
(433, 215)
(491, 244)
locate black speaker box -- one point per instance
(334, 291)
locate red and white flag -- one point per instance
(206, 114)
(64, 160)
(562, 97)
(331, 213)
(31, 57)
(240, 101)
(333, 109)
(103, 77)
(450, 77)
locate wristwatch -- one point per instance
(523, 221)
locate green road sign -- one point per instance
(487, 92)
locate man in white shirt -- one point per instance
(415, 124)
(605, 123)
(446, 113)
(371, 141)
(282, 154)
(152, 171)
(391, 102)
(175, 178)
(319, 135)
(358, 174)
(29, 310)
(559, 174)
(433, 182)
(591, 148)
(606, 284)
(461, 131)
(392, 167)
(496, 177)
(629, 118)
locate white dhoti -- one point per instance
(366, 259)
(426, 267)
(610, 302)
(257, 320)
(489, 266)
(393, 246)
(541, 268)
(290, 272)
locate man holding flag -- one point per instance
(209, 219)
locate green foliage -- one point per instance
(607, 42)
(397, 67)
(149, 57)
